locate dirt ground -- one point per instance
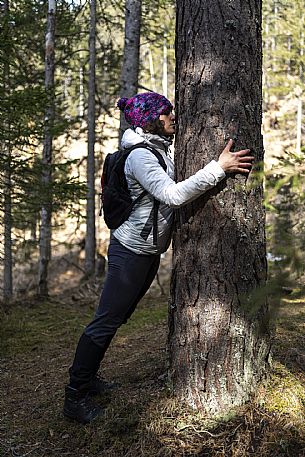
(141, 418)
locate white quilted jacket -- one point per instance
(143, 171)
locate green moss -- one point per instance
(285, 394)
(145, 316)
(27, 329)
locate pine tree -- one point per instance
(284, 89)
(47, 159)
(219, 336)
(130, 67)
(6, 151)
(90, 246)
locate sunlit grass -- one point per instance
(142, 418)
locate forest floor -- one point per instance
(140, 418)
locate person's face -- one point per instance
(168, 121)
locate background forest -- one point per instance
(24, 120)
(58, 120)
(24, 123)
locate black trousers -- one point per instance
(128, 279)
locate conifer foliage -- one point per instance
(23, 126)
(24, 123)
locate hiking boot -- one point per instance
(79, 406)
(98, 386)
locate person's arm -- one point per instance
(147, 171)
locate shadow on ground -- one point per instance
(140, 418)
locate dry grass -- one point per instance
(140, 419)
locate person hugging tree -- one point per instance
(135, 246)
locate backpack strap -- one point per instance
(155, 221)
(151, 149)
(160, 160)
(156, 203)
(139, 197)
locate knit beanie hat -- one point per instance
(144, 108)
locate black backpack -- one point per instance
(116, 202)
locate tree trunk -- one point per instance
(274, 36)
(130, 68)
(219, 335)
(299, 91)
(90, 211)
(288, 55)
(266, 82)
(299, 126)
(81, 91)
(164, 73)
(7, 222)
(151, 68)
(46, 209)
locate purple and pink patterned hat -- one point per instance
(144, 108)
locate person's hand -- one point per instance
(235, 162)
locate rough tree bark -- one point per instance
(219, 336)
(130, 68)
(6, 148)
(90, 246)
(46, 208)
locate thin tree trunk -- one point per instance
(299, 126)
(130, 68)
(266, 82)
(33, 230)
(8, 260)
(274, 36)
(151, 69)
(289, 55)
(90, 211)
(81, 92)
(164, 76)
(46, 209)
(300, 94)
(219, 338)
